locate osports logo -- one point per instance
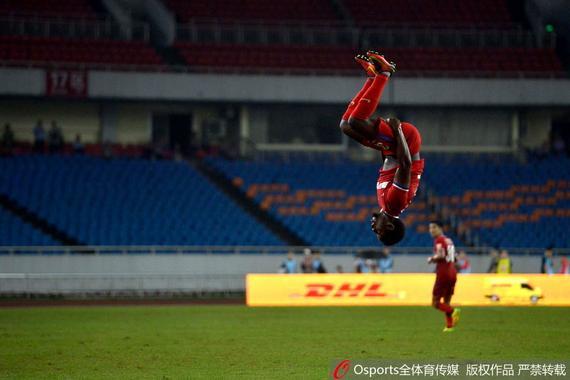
(341, 370)
(344, 290)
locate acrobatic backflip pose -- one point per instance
(399, 143)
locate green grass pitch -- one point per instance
(213, 342)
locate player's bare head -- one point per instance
(388, 230)
(435, 228)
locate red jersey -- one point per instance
(385, 135)
(445, 267)
(394, 198)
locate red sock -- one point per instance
(356, 99)
(369, 101)
(447, 309)
(448, 320)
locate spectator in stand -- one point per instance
(505, 264)
(307, 264)
(547, 264)
(564, 265)
(318, 266)
(386, 262)
(494, 256)
(55, 138)
(7, 140)
(339, 269)
(360, 265)
(463, 264)
(78, 147)
(290, 264)
(372, 265)
(39, 137)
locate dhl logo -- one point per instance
(344, 290)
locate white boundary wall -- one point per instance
(175, 273)
(299, 89)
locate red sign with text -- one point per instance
(69, 83)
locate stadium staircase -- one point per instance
(52, 234)
(241, 199)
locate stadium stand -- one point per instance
(506, 202)
(325, 203)
(478, 38)
(322, 43)
(71, 33)
(128, 202)
(502, 201)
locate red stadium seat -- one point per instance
(84, 51)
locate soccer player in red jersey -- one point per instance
(446, 274)
(399, 143)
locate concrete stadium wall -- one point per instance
(134, 124)
(216, 264)
(298, 89)
(170, 274)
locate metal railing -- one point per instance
(243, 250)
(387, 37)
(83, 28)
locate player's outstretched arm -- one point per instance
(402, 176)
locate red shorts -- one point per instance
(444, 287)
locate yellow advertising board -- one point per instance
(404, 289)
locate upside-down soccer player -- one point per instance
(446, 274)
(399, 143)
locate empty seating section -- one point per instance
(268, 57)
(449, 14)
(479, 61)
(491, 62)
(255, 10)
(446, 13)
(505, 202)
(14, 231)
(46, 50)
(136, 202)
(24, 47)
(47, 9)
(289, 57)
(129, 202)
(324, 203)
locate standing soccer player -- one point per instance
(446, 274)
(399, 143)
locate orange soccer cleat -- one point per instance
(380, 63)
(366, 64)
